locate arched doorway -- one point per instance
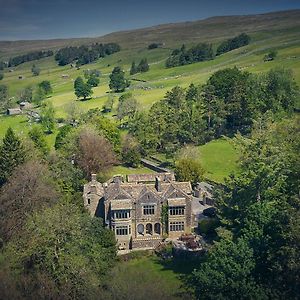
(149, 229)
(157, 228)
(140, 229)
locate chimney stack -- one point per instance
(94, 177)
(158, 184)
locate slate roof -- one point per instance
(134, 191)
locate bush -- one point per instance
(207, 226)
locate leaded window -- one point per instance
(176, 210)
(122, 230)
(121, 214)
(176, 226)
(148, 210)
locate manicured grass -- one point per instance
(166, 275)
(122, 170)
(219, 158)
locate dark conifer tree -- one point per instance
(12, 154)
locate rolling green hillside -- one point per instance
(279, 31)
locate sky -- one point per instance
(48, 19)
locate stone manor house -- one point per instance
(142, 210)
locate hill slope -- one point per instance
(211, 29)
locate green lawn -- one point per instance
(159, 278)
(219, 159)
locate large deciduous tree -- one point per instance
(63, 253)
(94, 153)
(118, 83)
(27, 190)
(82, 89)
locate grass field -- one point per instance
(219, 158)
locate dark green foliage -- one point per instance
(48, 117)
(1, 75)
(260, 207)
(234, 43)
(72, 250)
(12, 154)
(46, 86)
(270, 56)
(17, 60)
(93, 81)
(188, 169)
(154, 46)
(2, 65)
(233, 98)
(228, 103)
(38, 96)
(172, 122)
(60, 138)
(133, 69)
(35, 70)
(227, 273)
(117, 82)
(207, 226)
(85, 54)
(82, 89)
(68, 177)
(37, 136)
(4, 98)
(143, 66)
(180, 57)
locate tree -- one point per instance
(270, 56)
(82, 89)
(12, 154)
(60, 138)
(131, 152)
(1, 75)
(93, 81)
(4, 98)
(109, 103)
(188, 169)
(118, 83)
(143, 66)
(27, 190)
(74, 112)
(261, 204)
(37, 136)
(226, 273)
(88, 145)
(133, 69)
(35, 70)
(26, 94)
(46, 86)
(39, 95)
(127, 106)
(63, 253)
(110, 131)
(47, 115)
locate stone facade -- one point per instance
(143, 209)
